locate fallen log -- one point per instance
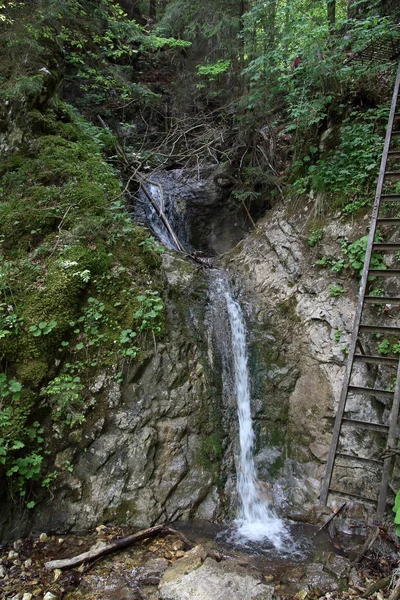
(103, 548)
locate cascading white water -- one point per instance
(256, 521)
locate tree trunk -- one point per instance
(242, 10)
(153, 9)
(331, 15)
(356, 9)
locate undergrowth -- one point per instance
(80, 289)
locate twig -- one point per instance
(248, 213)
(335, 514)
(61, 223)
(367, 545)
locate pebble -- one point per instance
(27, 596)
(43, 537)
(12, 555)
(49, 596)
(57, 574)
(3, 571)
(28, 563)
(18, 544)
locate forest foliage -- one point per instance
(286, 95)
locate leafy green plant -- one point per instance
(214, 70)
(337, 335)
(315, 236)
(384, 347)
(336, 290)
(43, 328)
(126, 338)
(21, 445)
(10, 322)
(355, 253)
(396, 510)
(324, 261)
(64, 394)
(152, 245)
(149, 314)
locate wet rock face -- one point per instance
(297, 334)
(199, 207)
(144, 454)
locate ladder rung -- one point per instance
(397, 115)
(360, 458)
(366, 425)
(395, 134)
(382, 300)
(355, 389)
(390, 197)
(384, 272)
(394, 154)
(352, 495)
(392, 175)
(387, 220)
(379, 360)
(380, 329)
(386, 246)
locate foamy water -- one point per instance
(257, 521)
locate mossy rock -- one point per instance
(32, 372)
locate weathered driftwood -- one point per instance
(101, 550)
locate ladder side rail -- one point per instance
(391, 439)
(363, 287)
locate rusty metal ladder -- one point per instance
(384, 201)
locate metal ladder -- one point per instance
(386, 199)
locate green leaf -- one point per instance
(17, 445)
(396, 502)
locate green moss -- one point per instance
(72, 267)
(211, 453)
(32, 372)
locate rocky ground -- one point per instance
(170, 567)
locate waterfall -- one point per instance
(256, 521)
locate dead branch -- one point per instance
(161, 214)
(369, 542)
(335, 514)
(104, 549)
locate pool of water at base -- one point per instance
(305, 544)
